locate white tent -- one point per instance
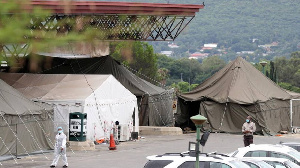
(102, 97)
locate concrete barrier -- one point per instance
(150, 130)
(80, 145)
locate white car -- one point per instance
(184, 160)
(268, 150)
(295, 145)
(276, 162)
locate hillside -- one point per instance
(240, 25)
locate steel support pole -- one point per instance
(197, 146)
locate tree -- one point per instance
(210, 66)
(181, 87)
(36, 29)
(273, 72)
(267, 74)
(287, 69)
(139, 56)
(295, 55)
(162, 75)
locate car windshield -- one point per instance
(238, 164)
(295, 154)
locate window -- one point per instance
(235, 152)
(256, 154)
(290, 164)
(281, 155)
(251, 165)
(276, 164)
(157, 163)
(190, 164)
(295, 154)
(218, 165)
(236, 163)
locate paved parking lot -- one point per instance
(132, 154)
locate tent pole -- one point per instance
(291, 113)
(136, 119)
(17, 141)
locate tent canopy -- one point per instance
(238, 82)
(155, 103)
(25, 126)
(233, 93)
(12, 102)
(54, 87)
(102, 97)
(95, 65)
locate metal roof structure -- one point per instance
(129, 8)
(116, 20)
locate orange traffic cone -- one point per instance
(112, 145)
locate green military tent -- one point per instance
(233, 93)
(25, 126)
(154, 103)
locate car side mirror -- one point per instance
(204, 138)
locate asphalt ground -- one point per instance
(132, 154)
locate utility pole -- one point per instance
(181, 77)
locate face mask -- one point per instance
(247, 120)
(60, 131)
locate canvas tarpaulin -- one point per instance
(271, 117)
(25, 126)
(102, 97)
(145, 91)
(238, 82)
(295, 113)
(233, 93)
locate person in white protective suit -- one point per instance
(60, 148)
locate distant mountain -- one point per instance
(240, 25)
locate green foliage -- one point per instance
(183, 87)
(19, 27)
(234, 23)
(284, 71)
(290, 87)
(273, 74)
(288, 70)
(190, 71)
(162, 75)
(137, 55)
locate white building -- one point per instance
(211, 45)
(167, 53)
(172, 45)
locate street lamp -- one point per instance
(263, 64)
(198, 120)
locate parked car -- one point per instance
(295, 145)
(268, 150)
(185, 160)
(277, 162)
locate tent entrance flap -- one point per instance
(295, 113)
(185, 110)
